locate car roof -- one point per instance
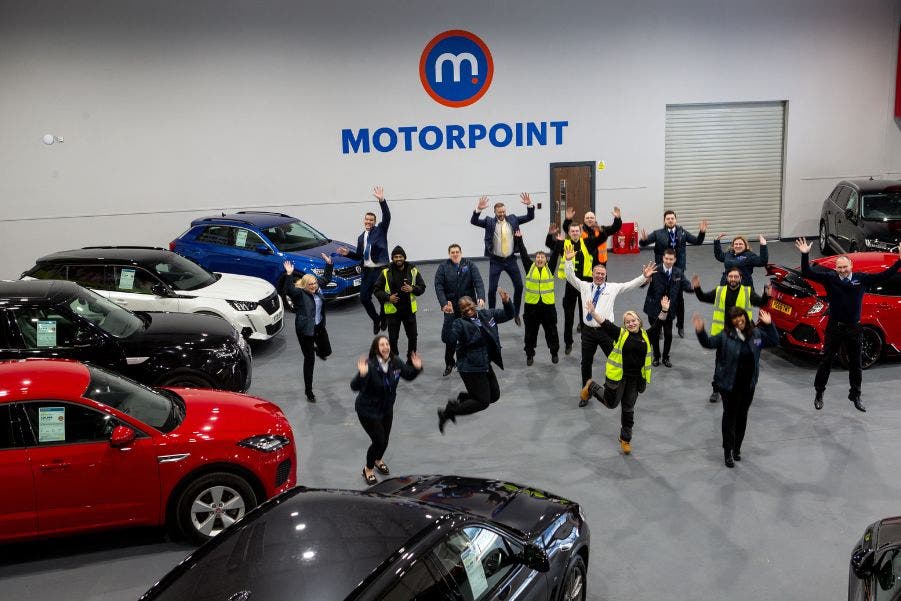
(41, 379)
(50, 290)
(303, 544)
(867, 262)
(260, 219)
(874, 185)
(138, 255)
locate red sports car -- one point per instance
(800, 309)
(84, 449)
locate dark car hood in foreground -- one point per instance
(168, 329)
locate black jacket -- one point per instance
(731, 295)
(477, 347)
(489, 223)
(661, 241)
(660, 286)
(556, 246)
(304, 305)
(845, 300)
(378, 239)
(377, 390)
(745, 262)
(729, 346)
(455, 281)
(396, 278)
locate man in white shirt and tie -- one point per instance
(603, 294)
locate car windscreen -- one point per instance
(145, 404)
(883, 205)
(293, 236)
(182, 274)
(104, 314)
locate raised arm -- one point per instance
(379, 194)
(718, 250)
(530, 209)
(475, 219)
(764, 257)
(705, 340)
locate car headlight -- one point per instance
(874, 243)
(318, 272)
(243, 305)
(266, 443)
(816, 308)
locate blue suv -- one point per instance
(257, 243)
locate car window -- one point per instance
(888, 575)
(134, 280)
(421, 582)
(104, 313)
(215, 234)
(45, 327)
(881, 206)
(246, 239)
(890, 287)
(141, 402)
(842, 198)
(89, 276)
(60, 422)
(476, 559)
(6, 428)
(296, 235)
(6, 335)
(182, 274)
(47, 271)
(835, 192)
(851, 204)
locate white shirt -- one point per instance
(604, 306)
(367, 261)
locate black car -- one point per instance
(430, 538)
(861, 215)
(875, 572)
(51, 318)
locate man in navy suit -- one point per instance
(499, 246)
(372, 250)
(668, 283)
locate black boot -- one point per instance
(727, 453)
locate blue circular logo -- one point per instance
(456, 68)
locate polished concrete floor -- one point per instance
(668, 522)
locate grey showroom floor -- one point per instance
(668, 522)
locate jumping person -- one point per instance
(667, 283)
(372, 250)
(539, 309)
(376, 384)
(672, 235)
(737, 366)
(499, 244)
(475, 336)
(397, 288)
(602, 295)
(309, 318)
(844, 290)
(598, 234)
(741, 256)
(455, 278)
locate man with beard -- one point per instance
(455, 278)
(598, 233)
(723, 298)
(539, 309)
(397, 288)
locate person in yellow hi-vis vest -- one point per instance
(539, 308)
(628, 370)
(397, 288)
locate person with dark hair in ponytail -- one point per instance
(376, 382)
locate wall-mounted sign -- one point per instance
(456, 68)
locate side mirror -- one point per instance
(122, 436)
(160, 290)
(263, 249)
(534, 558)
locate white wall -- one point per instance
(173, 110)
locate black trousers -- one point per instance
(482, 389)
(630, 386)
(654, 334)
(838, 334)
(312, 346)
(367, 283)
(449, 349)
(509, 265)
(592, 338)
(736, 403)
(545, 316)
(680, 316)
(408, 319)
(571, 300)
(378, 430)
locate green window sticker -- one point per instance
(127, 279)
(46, 333)
(241, 238)
(51, 424)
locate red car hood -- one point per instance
(215, 413)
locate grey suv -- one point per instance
(861, 215)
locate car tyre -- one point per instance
(825, 250)
(211, 503)
(870, 348)
(186, 378)
(287, 303)
(575, 584)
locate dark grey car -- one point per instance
(875, 571)
(861, 215)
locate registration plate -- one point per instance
(355, 282)
(781, 307)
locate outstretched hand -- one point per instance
(525, 199)
(720, 236)
(697, 322)
(569, 254)
(695, 281)
(503, 294)
(379, 193)
(617, 214)
(416, 360)
(664, 303)
(648, 270)
(570, 213)
(448, 308)
(765, 316)
(342, 251)
(483, 203)
(644, 235)
(762, 240)
(363, 366)
(289, 267)
(703, 226)
(553, 229)
(802, 245)
(326, 258)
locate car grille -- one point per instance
(282, 472)
(347, 272)
(805, 333)
(274, 328)
(270, 304)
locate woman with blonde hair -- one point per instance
(309, 318)
(628, 369)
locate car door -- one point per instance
(80, 481)
(851, 217)
(837, 220)
(248, 258)
(135, 288)
(212, 248)
(882, 304)
(18, 512)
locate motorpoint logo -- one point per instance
(456, 68)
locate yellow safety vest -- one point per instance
(743, 300)
(615, 358)
(539, 286)
(389, 306)
(587, 259)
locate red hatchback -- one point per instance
(800, 309)
(84, 449)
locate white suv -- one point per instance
(155, 279)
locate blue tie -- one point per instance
(594, 301)
(368, 247)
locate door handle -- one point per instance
(120, 301)
(58, 464)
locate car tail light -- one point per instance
(817, 308)
(172, 246)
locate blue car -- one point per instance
(257, 244)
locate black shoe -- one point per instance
(442, 420)
(858, 405)
(375, 328)
(728, 457)
(681, 332)
(818, 400)
(383, 324)
(714, 397)
(568, 349)
(667, 363)
(583, 402)
(517, 320)
(555, 359)
(655, 362)
(579, 327)
(311, 397)
(736, 454)
(448, 369)
(322, 357)
(530, 361)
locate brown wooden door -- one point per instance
(572, 185)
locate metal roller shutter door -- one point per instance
(724, 163)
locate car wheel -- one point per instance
(287, 303)
(186, 378)
(574, 583)
(870, 348)
(824, 240)
(211, 503)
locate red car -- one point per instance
(800, 309)
(84, 449)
